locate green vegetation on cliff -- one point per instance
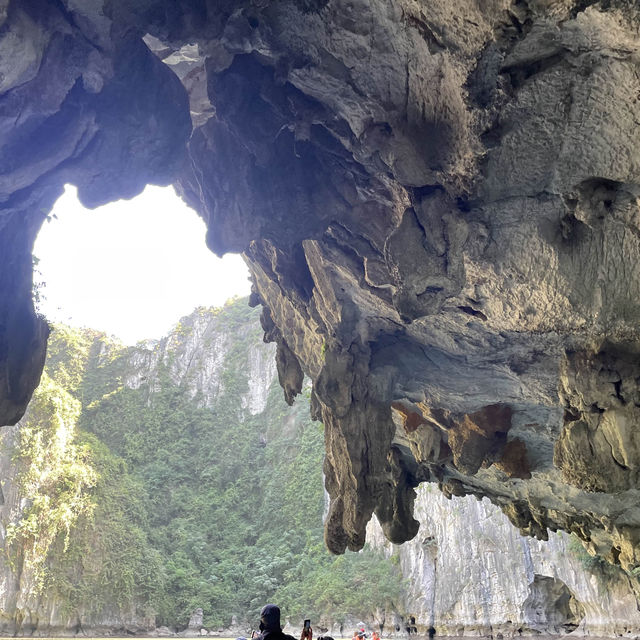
(55, 481)
(184, 501)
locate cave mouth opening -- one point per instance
(131, 268)
(551, 606)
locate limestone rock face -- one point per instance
(438, 201)
(193, 355)
(472, 573)
(195, 621)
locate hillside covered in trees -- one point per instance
(148, 481)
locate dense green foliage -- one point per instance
(188, 505)
(56, 477)
(109, 563)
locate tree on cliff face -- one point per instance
(74, 533)
(55, 478)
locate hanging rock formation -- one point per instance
(438, 202)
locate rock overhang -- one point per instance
(438, 202)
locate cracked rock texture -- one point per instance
(438, 202)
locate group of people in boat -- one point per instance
(360, 634)
(270, 628)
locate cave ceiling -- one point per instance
(438, 201)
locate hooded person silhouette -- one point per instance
(270, 624)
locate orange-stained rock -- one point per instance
(411, 419)
(514, 460)
(479, 438)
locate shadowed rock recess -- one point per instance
(438, 202)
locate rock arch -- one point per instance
(438, 203)
(551, 606)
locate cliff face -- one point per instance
(58, 541)
(438, 202)
(470, 572)
(196, 356)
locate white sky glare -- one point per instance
(131, 268)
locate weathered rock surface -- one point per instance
(472, 573)
(193, 356)
(438, 202)
(84, 101)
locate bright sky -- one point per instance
(132, 268)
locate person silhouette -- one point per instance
(270, 624)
